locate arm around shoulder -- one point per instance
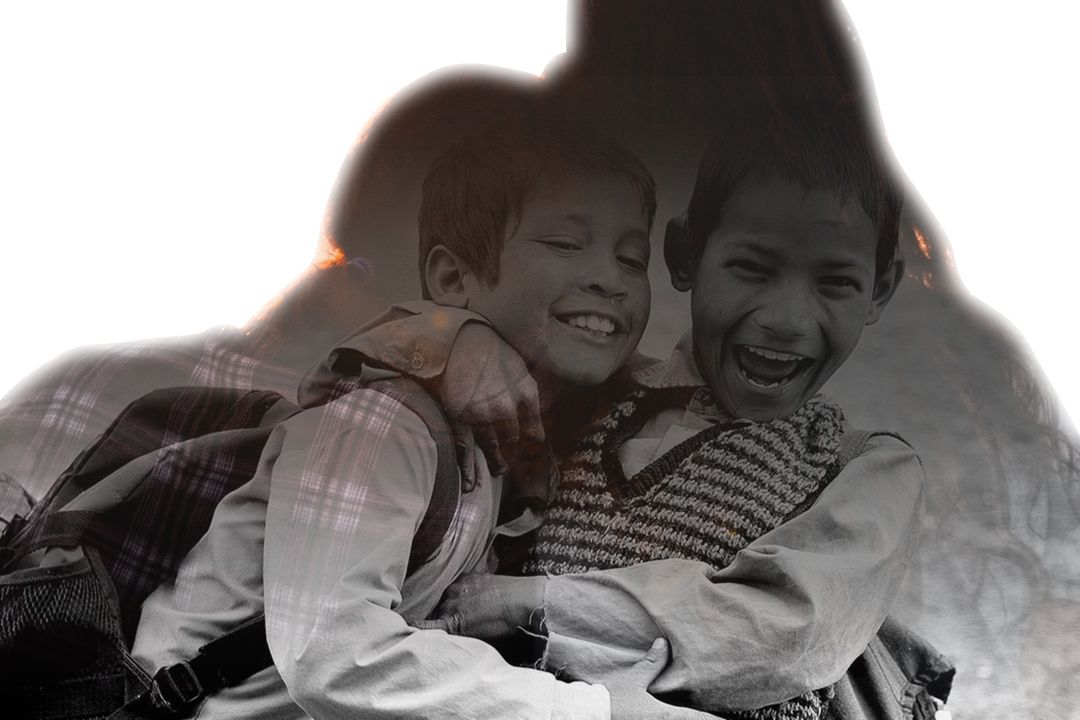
(413, 338)
(790, 614)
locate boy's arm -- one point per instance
(483, 384)
(790, 614)
(413, 338)
(348, 490)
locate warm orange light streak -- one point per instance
(328, 254)
(372, 121)
(924, 245)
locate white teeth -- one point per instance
(773, 354)
(593, 323)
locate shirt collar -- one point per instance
(678, 371)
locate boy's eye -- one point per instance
(635, 263)
(748, 268)
(562, 244)
(841, 283)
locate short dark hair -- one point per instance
(479, 186)
(821, 148)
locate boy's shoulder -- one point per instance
(861, 439)
(879, 462)
(380, 409)
(370, 401)
(856, 442)
(414, 337)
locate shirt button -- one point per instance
(417, 360)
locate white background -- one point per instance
(146, 149)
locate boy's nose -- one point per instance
(606, 279)
(786, 313)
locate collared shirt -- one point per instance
(793, 610)
(319, 540)
(671, 425)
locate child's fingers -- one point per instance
(530, 424)
(488, 441)
(465, 445)
(657, 654)
(649, 667)
(507, 431)
(447, 623)
(432, 624)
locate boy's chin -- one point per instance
(582, 373)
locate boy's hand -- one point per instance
(487, 606)
(493, 606)
(491, 401)
(630, 698)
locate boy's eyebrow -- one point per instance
(754, 247)
(576, 218)
(774, 253)
(844, 265)
(558, 217)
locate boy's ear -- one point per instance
(679, 253)
(884, 288)
(444, 276)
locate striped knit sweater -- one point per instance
(705, 499)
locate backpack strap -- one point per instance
(175, 690)
(447, 490)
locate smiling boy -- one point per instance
(781, 289)
(788, 248)
(575, 306)
(320, 539)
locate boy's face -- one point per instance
(573, 291)
(781, 294)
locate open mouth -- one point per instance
(768, 369)
(598, 326)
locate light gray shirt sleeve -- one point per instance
(790, 614)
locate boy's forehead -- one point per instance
(784, 211)
(578, 196)
(758, 202)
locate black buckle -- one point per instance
(176, 688)
(12, 528)
(10, 532)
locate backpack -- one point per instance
(117, 524)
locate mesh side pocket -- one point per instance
(61, 652)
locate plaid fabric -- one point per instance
(208, 443)
(329, 496)
(346, 494)
(49, 419)
(323, 535)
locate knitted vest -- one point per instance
(705, 499)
